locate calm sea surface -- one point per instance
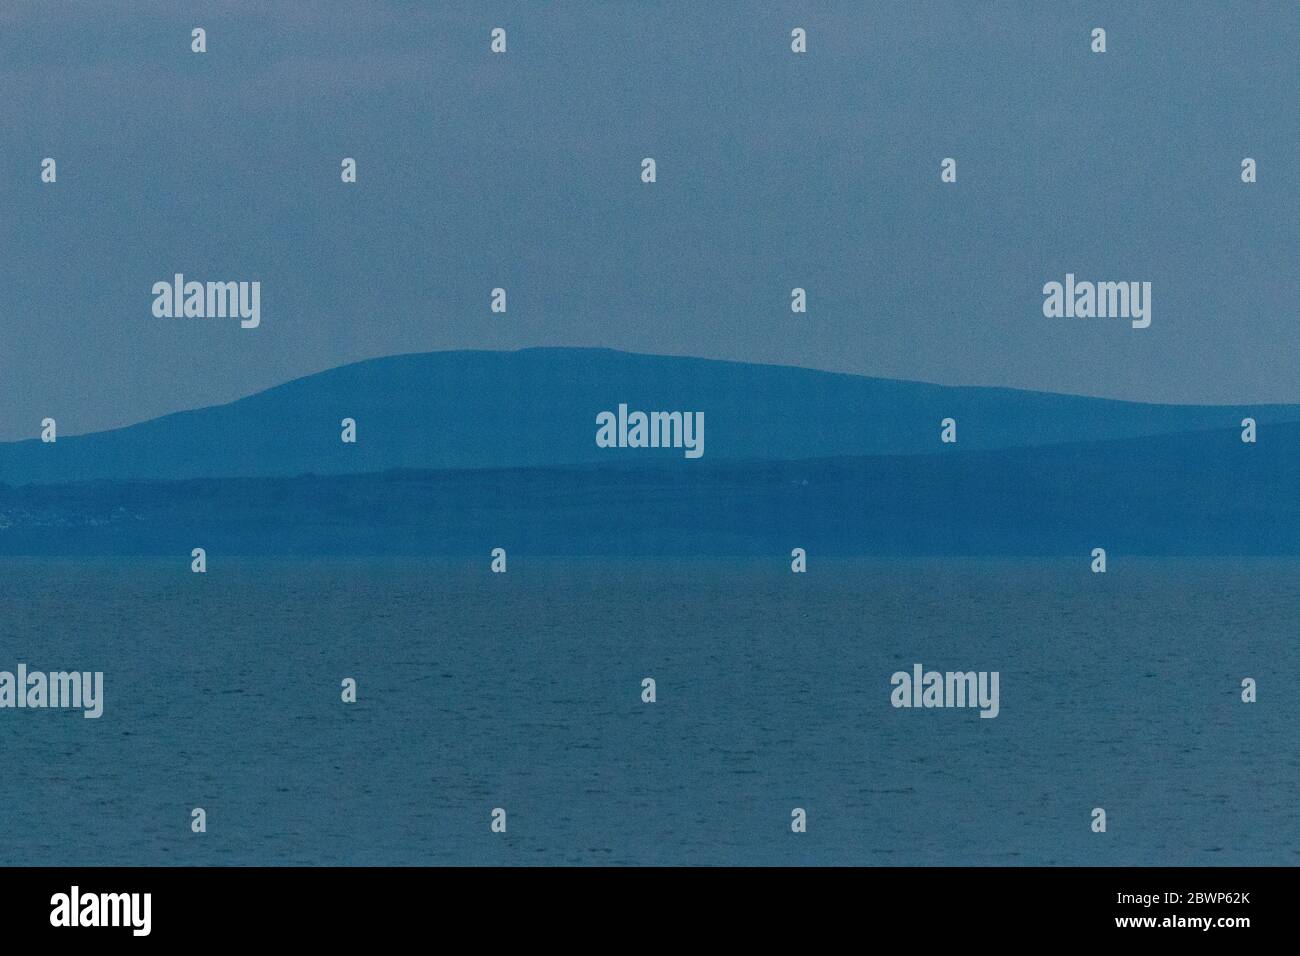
(523, 691)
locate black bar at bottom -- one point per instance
(368, 905)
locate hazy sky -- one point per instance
(522, 170)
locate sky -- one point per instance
(522, 171)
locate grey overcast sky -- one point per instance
(522, 170)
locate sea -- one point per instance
(523, 692)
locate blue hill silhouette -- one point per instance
(538, 407)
